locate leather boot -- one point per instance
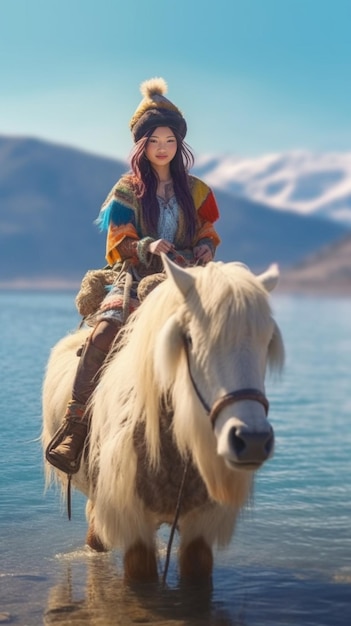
(66, 448)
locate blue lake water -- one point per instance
(290, 559)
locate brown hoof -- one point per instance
(196, 561)
(93, 540)
(140, 564)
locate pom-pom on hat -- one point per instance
(156, 110)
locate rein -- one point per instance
(175, 521)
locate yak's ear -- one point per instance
(270, 277)
(276, 351)
(181, 278)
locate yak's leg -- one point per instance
(93, 540)
(196, 561)
(140, 564)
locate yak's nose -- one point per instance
(251, 447)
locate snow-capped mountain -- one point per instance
(306, 182)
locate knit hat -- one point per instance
(156, 110)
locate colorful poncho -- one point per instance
(121, 216)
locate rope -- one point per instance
(175, 521)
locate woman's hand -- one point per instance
(203, 254)
(161, 245)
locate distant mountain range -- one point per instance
(328, 271)
(301, 181)
(51, 194)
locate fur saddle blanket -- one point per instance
(96, 283)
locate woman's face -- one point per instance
(161, 146)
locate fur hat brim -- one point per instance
(159, 117)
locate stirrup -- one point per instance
(62, 464)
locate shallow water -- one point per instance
(290, 559)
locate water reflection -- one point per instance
(105, 600)
(91, 591)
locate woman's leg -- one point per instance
(66, 448)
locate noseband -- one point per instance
(229, 398)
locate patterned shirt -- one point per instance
(168, 219)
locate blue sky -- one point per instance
(251, 76)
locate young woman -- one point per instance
(157, 207)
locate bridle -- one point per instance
(229, 398)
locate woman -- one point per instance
(157, 207)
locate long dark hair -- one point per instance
(148, 181)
